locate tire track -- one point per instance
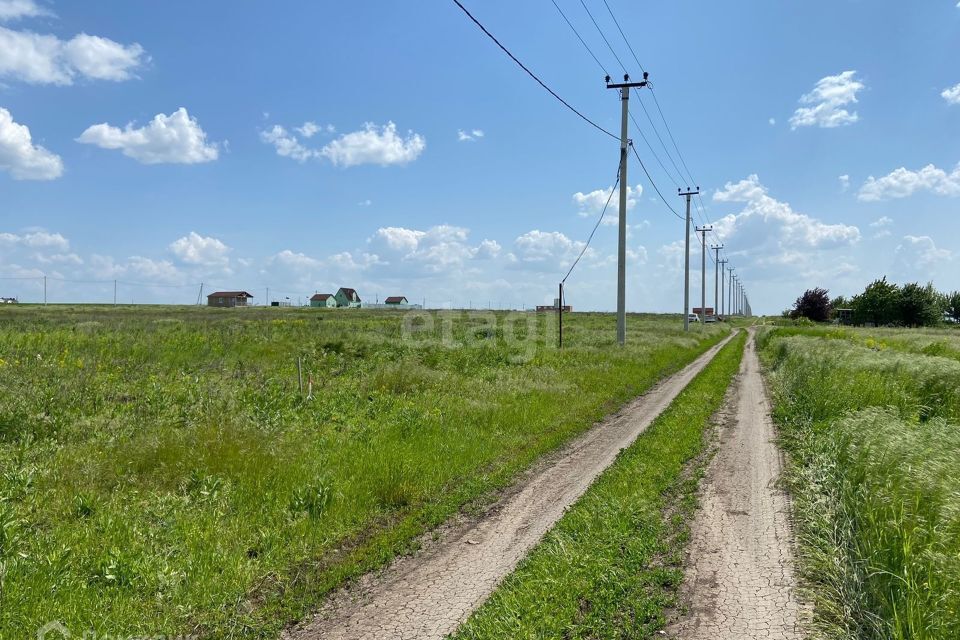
(740, 582)
(428, 595)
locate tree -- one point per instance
(953, 305)
(877, 304)
(814, 304)
(919, 306)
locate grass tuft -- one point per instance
(875, 469)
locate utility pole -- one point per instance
(266, 301)
(114, 293)
(44, 290)
(730, 291)
(686, 260)
(716, 279)
(736, 295)
(723, 288)
(624, 88)
(703, 273)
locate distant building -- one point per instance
(228, 299)
(556, 305)
(323, 300)
(697, 310)
(396, 300)
(8, 301)
(347, 297)
(843, 316)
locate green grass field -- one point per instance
(613, 563)
(871, 419)
(163, 473)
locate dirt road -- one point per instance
(430, 594)
(740, 582)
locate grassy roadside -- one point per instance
(161, 473)
(611, 565)
(874, 441)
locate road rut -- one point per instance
(431, 593)
(740, 583)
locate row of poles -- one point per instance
(734, 301)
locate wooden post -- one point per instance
(300, 374)
(560, 314)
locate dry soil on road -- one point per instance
(740, 583)
(428, 595)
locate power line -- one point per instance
(595, 227)
(698, 202)
(616, 22)
(654, 153)
(577, 33)
(532, 74)
(660, 138)
(652, 183)
(602, 35)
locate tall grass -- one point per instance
(875, 470)
(160, 471)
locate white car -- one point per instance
(692, 317)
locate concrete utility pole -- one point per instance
(723, 288)
(44, 289)
(624, 88)
(730, 292)
(686, 260)
(716, 279)
(703, 273)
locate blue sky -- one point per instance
(168, 144)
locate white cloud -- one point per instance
(844, 182)
(46, 59)
(176, 139)
(373, 145)
(469, 136)
(439, 249)
(365, 203)
(286, 144)
(59, 258)
(36, 240)
(488, 249)
(16, 9)
(23, 159)
(309, 129)
(591, 204)
(547, 248)
(920, 252)
(772, 121)
(903, 182)
(762, 210)
(952, 95)
(828, 98)
(153, 271)
(195, 249)
(881, 224)
(296, 260)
